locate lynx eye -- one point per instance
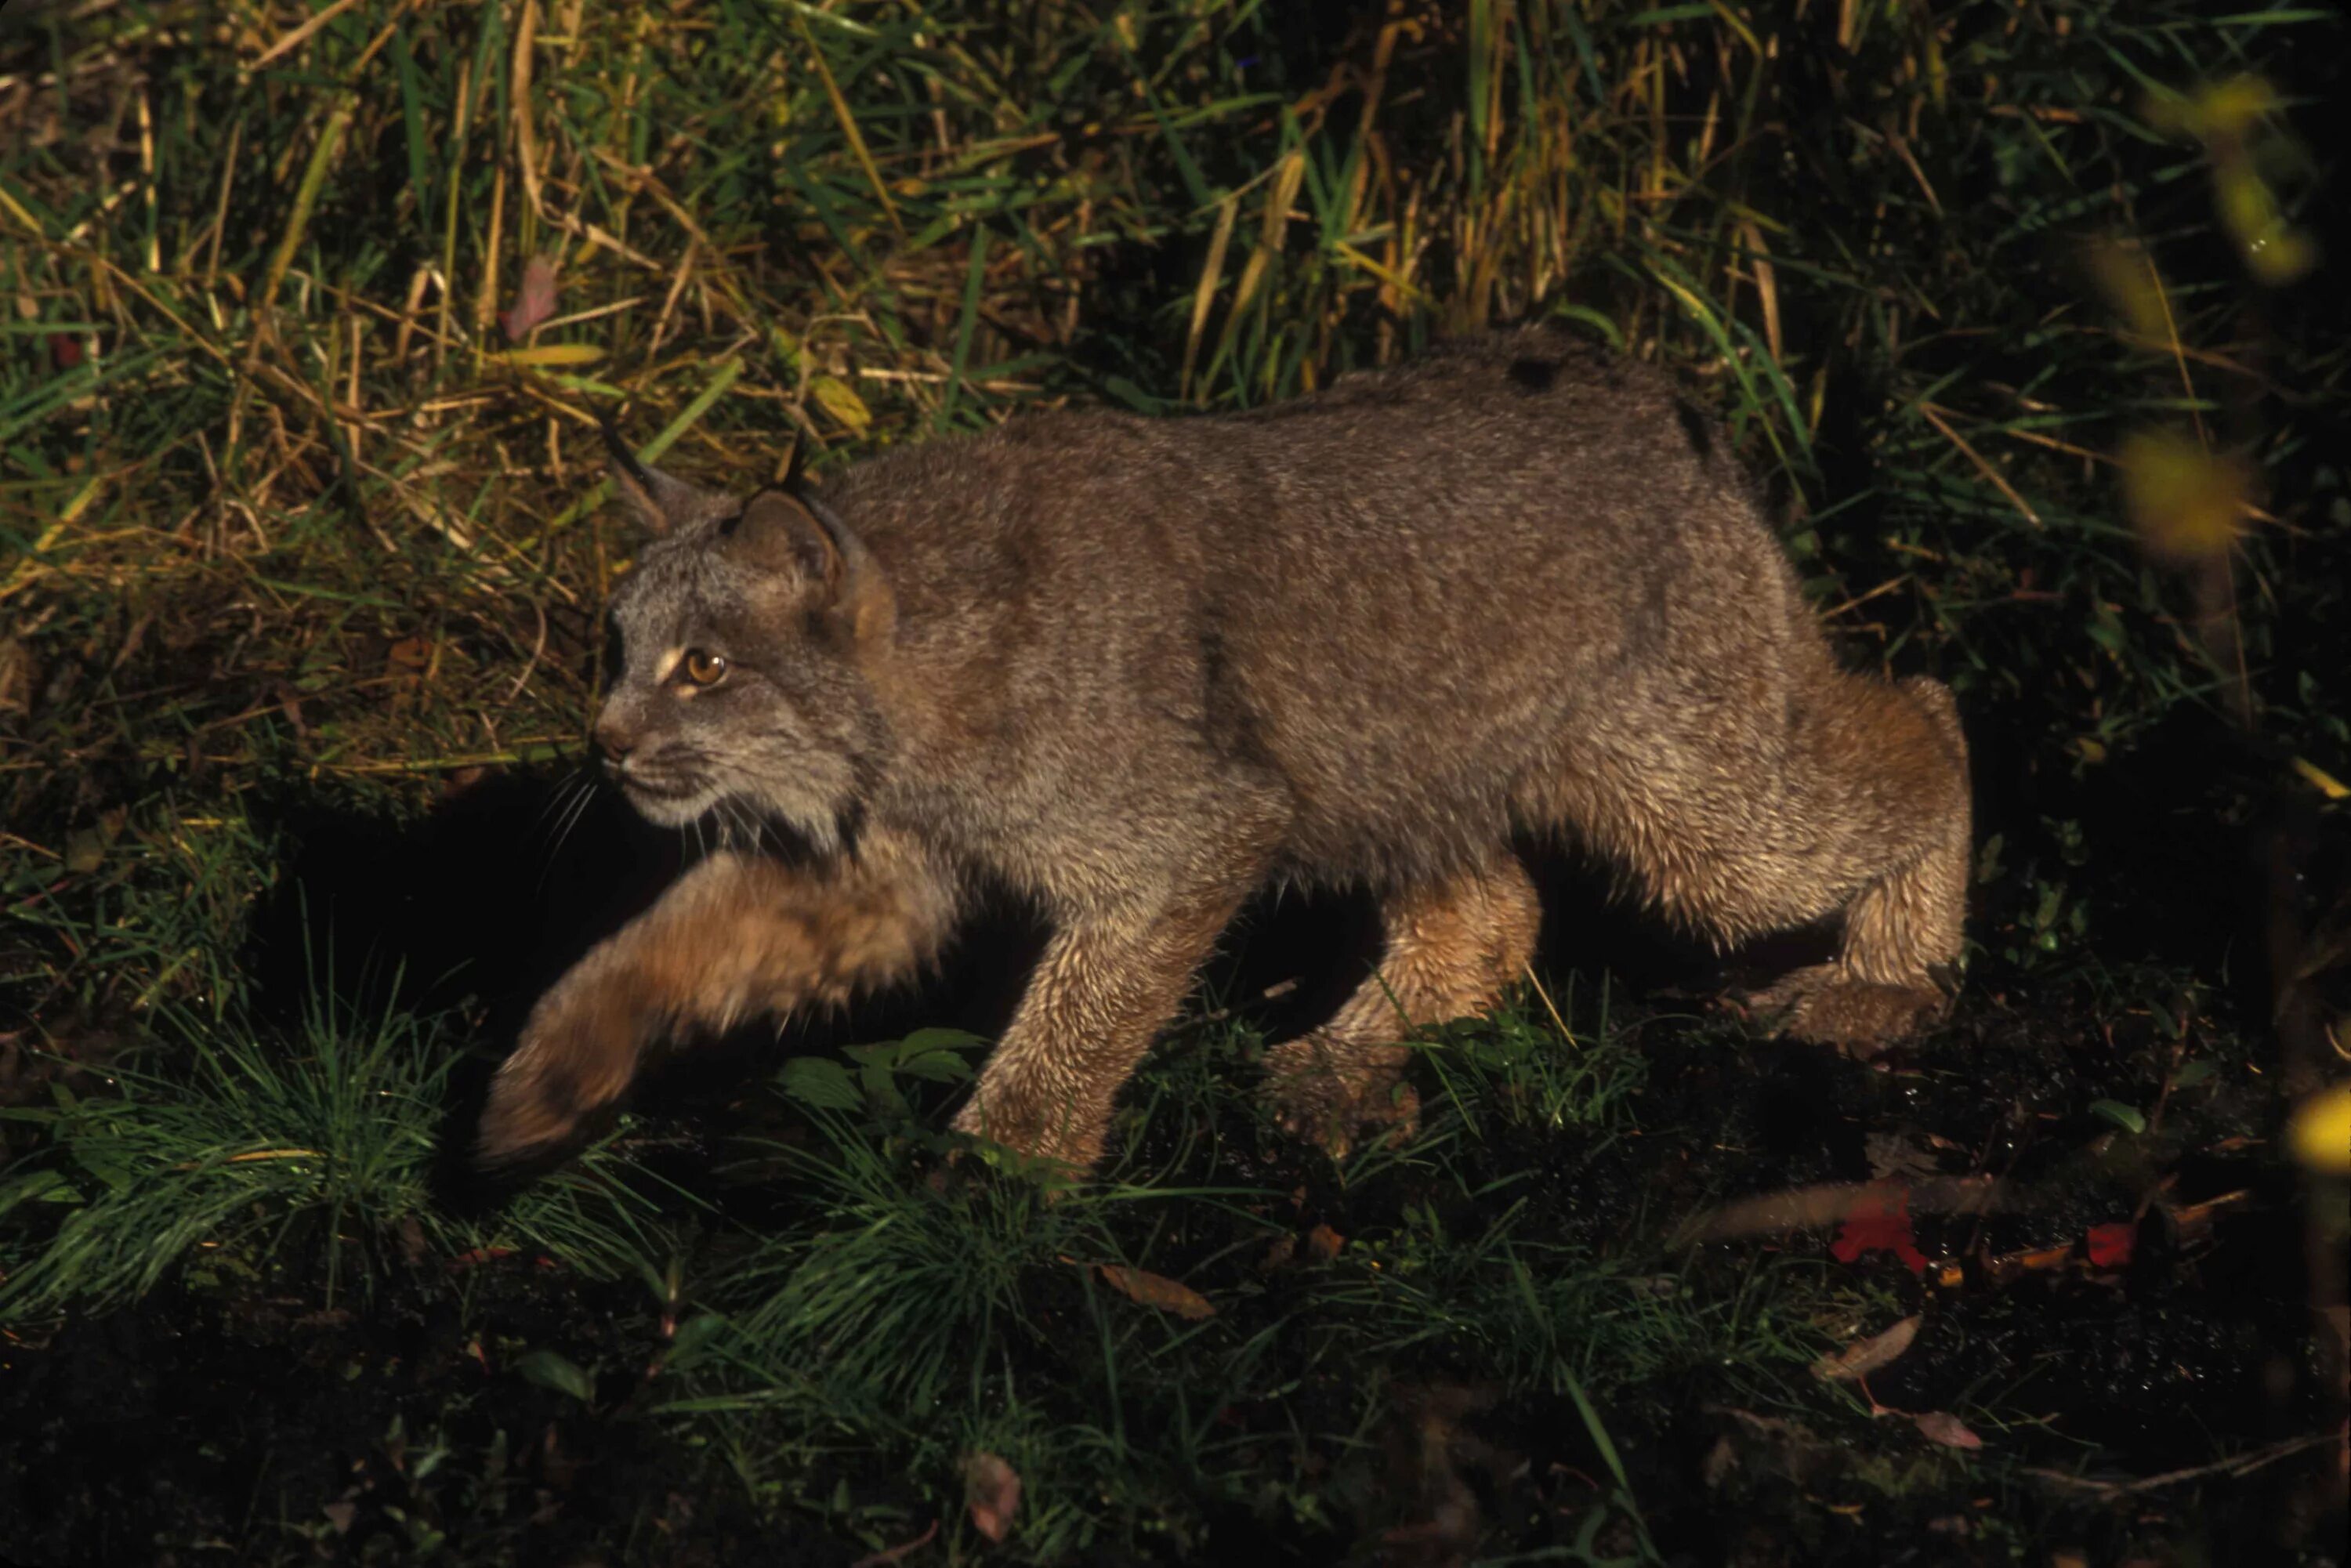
(702, 668)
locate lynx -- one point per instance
(1137, 668)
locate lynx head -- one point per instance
(740, 687)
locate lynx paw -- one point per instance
(1056, 1151)
(1861, 1017)
(560, 1085)
(1325, 1097)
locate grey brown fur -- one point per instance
(1138, 668)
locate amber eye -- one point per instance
(703, 669)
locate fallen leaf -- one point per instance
(1879, 1221)
(1865, 1356)
(85, 852)
(991, 1490)
(534, 302)
(1942, 1427)
(835, 397)
(1157, 1290)
(2110, 1245)
(546, 355)
(1322, 1243)
(340, 1515)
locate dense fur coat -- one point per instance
(1139, 667)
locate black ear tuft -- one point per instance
(656, 501)
(795, 480)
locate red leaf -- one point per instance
(2110, 1245)
(1879, 1221)
(65, 350)
(536, 300)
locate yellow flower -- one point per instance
(2320, 1133)
(2185, 501)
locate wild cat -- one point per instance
(1137, 668)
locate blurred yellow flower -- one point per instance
(2231, 118)
(2185, 501)
(2320, 1133)
(2216, 111)
(2125, 274)
(2274, 250)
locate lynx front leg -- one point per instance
(1452, 950)
(1106, 984)
(738, 937)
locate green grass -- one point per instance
(967, 1311)
(260, 1154)
(291, 528)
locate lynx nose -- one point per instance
(614, 742)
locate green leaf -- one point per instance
(551, 1369)
(2192, 1073)
(2127, 1117)
(821, 1083)
(882, 1094)
(930, 1040)
(936, 1067)
(117, 1176)
(694, 1336)
(40, 1187)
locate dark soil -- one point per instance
(392, 1423)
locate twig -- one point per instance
(2240, 1465)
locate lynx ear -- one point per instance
(656, 501)
(791, 530)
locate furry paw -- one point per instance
(1861, 1017)
(563, 1082)
(1324, 1096)
(1055, 1152)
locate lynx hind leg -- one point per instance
(1899, 954)
(1452, 949)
